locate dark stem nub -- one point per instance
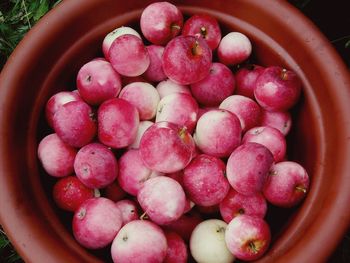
(220, 229)
(204, 31)
(88, 79)
(284, 74)
(241, 211)
(125, 238)
(253, 247)
(300, 189)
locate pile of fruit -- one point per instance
(174, 144)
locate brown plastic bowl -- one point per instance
(49, 57)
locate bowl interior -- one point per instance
(55, 50)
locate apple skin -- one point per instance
(247, 168)
(69, 193)
(118, 122)
(281, 120)
(218, 133)
(177, 249)
(139, 241)
(133, 173)
(246, 80)
(178, 108)
(74, 123)
(213, 89)
(113, 35)
(187, 59)
(155, 72)
(277, 89)
(287, 184)
(207, 243)
(143, 126)
(97, 81)
(234, 48)
(56, 101)
(204, 180)
(160, 22)
(114, 192)
(56, 156)
(162, 207)
(271, 138)
(129, 56)
(95, 165)
(236, 204)
(247, 237)
(205, 26)
(246, 109)
(167, 87)
(185, 225)
(166, 147)
(96, 222)
(128, 209)
(143, 96)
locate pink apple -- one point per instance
(143, 96)
(56, 101)
(207, 242)
(213, 89)
(271, 138)
(118, 121)
(187, 59)
(277, 89)
(111, 36)
(162, 199)
(95, 165)
(178, 108)
(204, 180)
(248, 237)
(234, 48)
(177, 250)
(218, 133)
(97, 81)
(143, 126)
(246, 79)
(129, 56)
(235, 204)
(246, 109)
(287, 184)
(132, 172)
(75, 124)
(155, 72)
(96, 223)
(247, 168)
(281, 120)
(128, 209)
(56, 157)
(166, 147)
(161, 22)
(167, 87)
(205, 26)
(139, 241)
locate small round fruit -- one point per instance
(177, 250)
(96, 222)
(207, 243)
(234, 48)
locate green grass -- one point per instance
(17, 17)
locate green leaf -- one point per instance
(42, 10)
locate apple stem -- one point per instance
(301, 189)
(253, 247)
(284, 74)
(196, 50)
(97, 192)
(144, 216)
(175, 27)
